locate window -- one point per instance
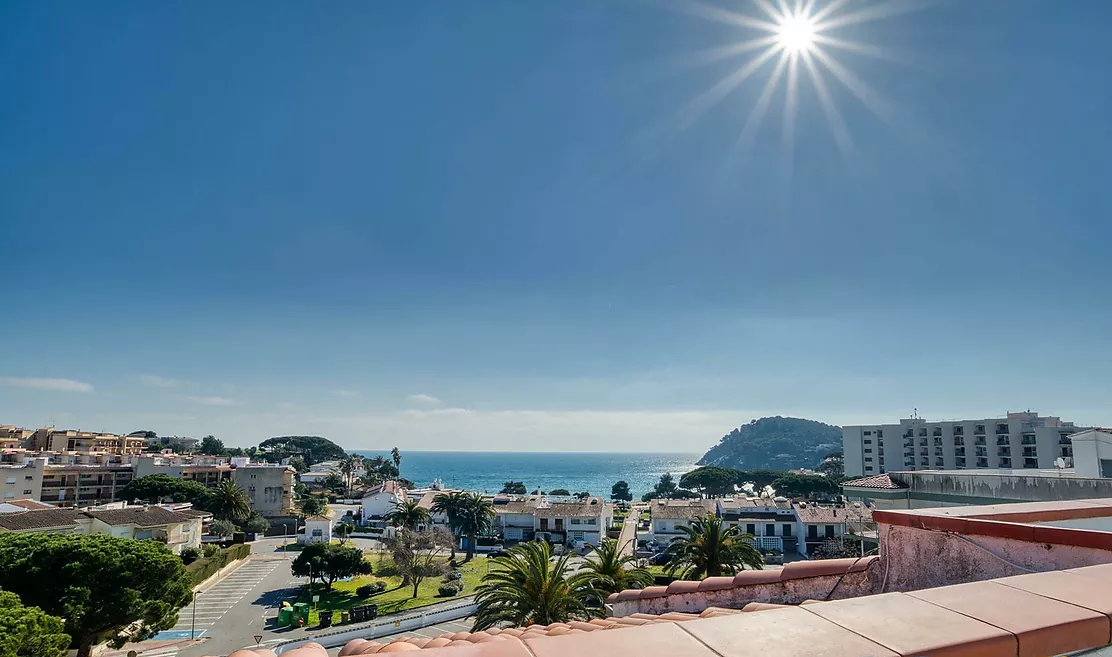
(868, 451)
(868, 433)
(879, 433)
(589, 521)
(27, 491)
(252, 476)
(829, 531)
(787, 530)
(576, 521)
(812, 531)
(28, 478)
(751, 529)
(868, 442)
(770, 529)
(868, 459)
(11, 480)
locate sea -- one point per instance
(594, 472)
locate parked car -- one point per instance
(659, 559)
(499, 553)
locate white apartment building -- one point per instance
(1016, 441)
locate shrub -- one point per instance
(370, 589)
(449, 590)
(189, 555)
(206, 567)
(208, 549)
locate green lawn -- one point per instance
(395, 598)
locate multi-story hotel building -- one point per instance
(1016, 441)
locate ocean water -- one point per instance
(594, 472)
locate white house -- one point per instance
(318, 529)
(574, 523)
(771, 521)
(513, 518)
(177, 529)
(669, 515)
(381, 500)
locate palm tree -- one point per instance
(409, 515)
(452, 504)
(349, 465)
(477, 517)
(227, 501)
(612, 571)
(530, 586)
(396, 457)
(710, 548)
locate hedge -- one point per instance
(206, 567)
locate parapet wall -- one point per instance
(831, 579)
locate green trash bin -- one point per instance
(285, 616)
(301, 611)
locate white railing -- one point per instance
(382, 627)
(768, 542)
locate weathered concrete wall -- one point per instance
(793, 591)
(914, 559)
(986, 488)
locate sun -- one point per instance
(796, 33)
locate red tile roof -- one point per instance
(971, 620)
(876, 482)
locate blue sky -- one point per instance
(523, 225)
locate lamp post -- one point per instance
(193, 625)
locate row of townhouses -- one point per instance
(177, 526)
(517, 518)
(775, 523)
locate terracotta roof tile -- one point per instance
(878, 482)
(816, 568)
(149, 516)
(1042, 626)
(788, 631)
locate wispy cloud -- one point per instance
(55, 385)
(422, 399)
(159, 381)
(288, 406)
(212, 401)
(347, 393)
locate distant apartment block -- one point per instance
(21, 481)
(48, 439)
(1016, 441)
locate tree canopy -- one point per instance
(664, 489)
(29, 631)
(560, 491)
(313, 449)
(710, 480)
(514, 488)
(710, 548)
(228, 501)
(775, 442)
(157, 488)
(213, 446)
(100, 585)
(419, 555)
(791, 484)
(409, 514)
(620, 492)
(313, 505)
(329, 562)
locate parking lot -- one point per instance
(209, 607)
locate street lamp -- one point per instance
(193, 626)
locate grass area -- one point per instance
(395, 598)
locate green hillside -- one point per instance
(775, 442)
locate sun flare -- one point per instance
(796, 33)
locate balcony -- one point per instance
(982, 463)
(939, 463)
(923, 432)
(1003, 441)
(909, 453)
(1004, 451)
(909, 443)
(1030, 452)
(959, 451)
(923, 442)
(980, 440)
(924, 452)
(1064, 440)
(925, 462)
(960, 462)
(910, 433)
(959, 442)
(938, 442)
(1030, 463)
(1001, 429)
(1005, 463)
(982, 451)
(937, 432)
(959, 431)
(979, 430)
(1028, 440)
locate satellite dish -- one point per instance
(1060, 463)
